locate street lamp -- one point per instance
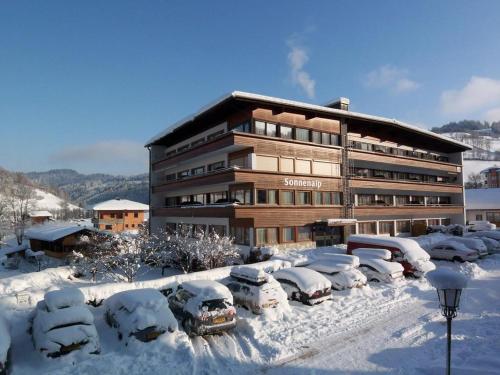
(449, 285)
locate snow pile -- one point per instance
(4, 341)
(249, 273)
(375, 253)
(444, 278)
(351, 278)
(382, 266)
(206, 290)
(307, 280)
(62, 323)
(341, 259)
(136, 310)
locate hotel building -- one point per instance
(270, 171)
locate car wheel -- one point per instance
(295, 296)
(458, 259)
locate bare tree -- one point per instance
(474, 181)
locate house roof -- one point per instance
(40, 214)
(482, 199)
(120, 205)
(53, 232)
(291, 103)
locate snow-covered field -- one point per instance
(376, 329)
(48, 201)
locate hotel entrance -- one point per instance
(332, 231)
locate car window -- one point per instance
(182, 296)
(369, 267)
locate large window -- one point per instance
(316, 137)
(287, 197)
(215, 166)
(493, 217)
(241, 235)
(326, 197)
(384, 200)
(386, 227)
(367, 228)
(241, 162)
(286, 132)
(244, 127)
(366, 199)
(241, 196)
(197, 171)
(220, 230)
(302, 134)
(265, 128)
(403, 226)
(326, 168)
(304, 233)
(217, 197)
(402, 200)
(267, 196)
(304, 197)
(183, 174)
(266, 236)
(288, 234)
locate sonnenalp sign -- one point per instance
(302, 183)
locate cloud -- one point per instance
(297, 59)
(114, 156)
(480, 94)
(390, 77)
(492, 115)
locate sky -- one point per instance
(84, 84)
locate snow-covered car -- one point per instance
(379, 270)
(341, 275)
(474, 244)
(494, 234)
(141, 313)
(4, 346)
(62, 323)
(453, 250)
(415, 260)
(492, 245)
(304, 285)
(477, 225)
(372, 252)
(204, 307)
(254, 289)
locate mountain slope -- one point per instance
(93, 188)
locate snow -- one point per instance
(40, 214)
(136, 310)
(207, 290)
(376, 253)
(58, 299)
(48, 201)
(381, 265)
(329, 266)
(410, 248)
(48, 320)
(249, 273)
(307, 280)
(490, 234)
(482, 199)
(444, 278)
(331, 258)
(120, 205)
(53, 231)
(4, 340)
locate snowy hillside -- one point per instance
(50, 202)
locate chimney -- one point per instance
(340, 103)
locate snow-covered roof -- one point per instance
(309, 281)
(381, 265)
(207, 289)
(120, 205)
(326, 266)
(53, 231)
(131, 299)
(482, 199)
(40, 214)
(314, 107)
(350, 260)
(375, 253)
(410, 248)
(249, 273)
(12, 247)
(444, 278)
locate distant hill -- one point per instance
(468, 126)
(88, 189)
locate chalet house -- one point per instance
(40, 217)
(118, 215)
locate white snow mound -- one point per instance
(444, 278)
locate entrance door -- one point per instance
(328, 236)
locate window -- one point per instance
(133, 225)
(170, 201)
(288, 234)
(335, 139)
(479, 217)
(322, 167)
(266, 236)
(366, 199)
(198, 198)
(170, 227)
(241, 196)
(244, 127)
(101, 216)
(238, 162)
(199, 230)
(316, 137)
(119, 215)
(260, 236)
(384, 200)
(241, 235)
(170, 177)
(403, 226)
(271, 130)
(267, 163)
(304, 197)
(325, 139)
(400, 176)
(170, 153)
(444, 200)
(302, 134)
(303, 166)
(260, 127)
(217, 229)
(362, 172)
(197, 142)
(323, 197)
(215, 135)
(286, 132)
(112, 216)
(217, 197)
(414, 177)
(108, 227)
(402, 200)
(183, 148)
(386, 227)
(378, 173)
(433, 222)
(267, 196)
(287, 197)
(493, 217)
(417, 200)
(337, 198)
(367, 228)
(197, 171)
(304, 233)
(183, 174)
(432, 200)
(286, 165)
(261, 196)
(216, 165)
(136, 214)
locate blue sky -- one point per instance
(84, 84)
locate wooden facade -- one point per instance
(119, 220)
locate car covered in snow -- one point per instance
(479, 225)
(492, 245)
(203, 306)
(342, 275)
(372, 252)
(453, 250)
(62, 323)
(379, 270)
(474, 244)
(494, 234)
(5, 342)
(304, 285)
(254, 289)
(141, 313)
(415, 260)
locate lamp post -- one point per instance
(449, 285)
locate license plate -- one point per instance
(219, 320)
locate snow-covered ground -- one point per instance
(48, 201)
(381, 328)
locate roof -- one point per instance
(291, 103)
(40, 214)
(53, 232)
(482, 199)
(207, 289)
(487, 170)
(120, 205)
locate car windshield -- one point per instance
(215, 304)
